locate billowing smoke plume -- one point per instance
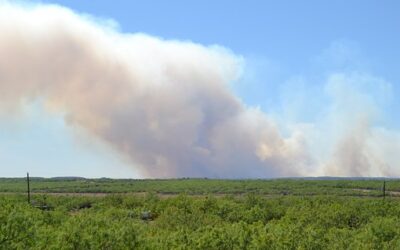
(359, 148)
(166, 105)
(349, 135)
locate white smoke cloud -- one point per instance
(348, 136)
(355, 112)
(166, 105)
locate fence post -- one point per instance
(29, 189)
(384, 189)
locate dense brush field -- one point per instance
(369, 187)
(199, 214)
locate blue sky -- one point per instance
(290, 48)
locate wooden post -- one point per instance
(384, 189)
(29, 189)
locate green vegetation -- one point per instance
(369, 187)
(202, 214)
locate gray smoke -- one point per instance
(166, 105)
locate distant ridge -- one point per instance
(340, 178)
(77, 178)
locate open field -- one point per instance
(199, 214)
(328, 186)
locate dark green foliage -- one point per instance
(260, 219)
(201, 222)
(353, 187)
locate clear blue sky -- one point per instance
(280, 41)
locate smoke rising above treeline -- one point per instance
(166, 105)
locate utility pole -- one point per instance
(29, 189)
